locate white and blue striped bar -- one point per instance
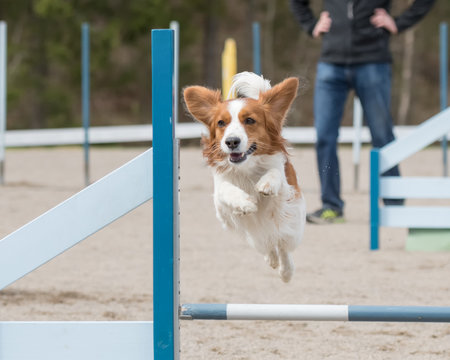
(291, 312)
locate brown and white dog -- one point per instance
(256, 192)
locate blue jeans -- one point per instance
(372, 84)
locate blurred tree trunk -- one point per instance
(406, 77)
(15, 37)
(211, 46)
(246, 56)
(41, 77)
(268, 38)
(251, 10)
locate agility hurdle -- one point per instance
(167, 311)
(85, 213)
(152, 174)
(390, 187)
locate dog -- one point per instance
(256, 191)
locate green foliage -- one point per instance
(44, 51)
(49, 8)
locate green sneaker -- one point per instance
(326, 216)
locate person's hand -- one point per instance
(381, 19)
(323, 25)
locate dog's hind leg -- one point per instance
(286, 268)
(272, 258)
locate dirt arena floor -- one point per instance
(109, 276)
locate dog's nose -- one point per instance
(232, 142)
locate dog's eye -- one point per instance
(221, 123)
(249, 121)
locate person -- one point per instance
(354, 55)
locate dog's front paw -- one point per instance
(269, 184)
(267, 188)
(245, 206)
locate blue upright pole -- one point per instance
(374, 198)
(85, 89)
(256, 49)
(165, 195)
(443, 78)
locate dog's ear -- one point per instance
(201, 102)
(279, 99)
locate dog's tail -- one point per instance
(248, 85)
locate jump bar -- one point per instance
(292, 312)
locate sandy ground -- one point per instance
(109, 276)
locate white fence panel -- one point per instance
(415, 217)
(76, 218)
(415, 187)
(100, 340)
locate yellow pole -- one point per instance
(229, 65)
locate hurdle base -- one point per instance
(428, 240)
(75, 340)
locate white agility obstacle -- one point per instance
(388, 187)
(152, 174)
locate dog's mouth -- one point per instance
(240, 157)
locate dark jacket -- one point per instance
(352, 39)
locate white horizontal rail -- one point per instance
(97, 135)
(76, 218)
(287, 312)
(425, 134)
(100, 340)
(414, 188)
(415, 217)
(143, 133)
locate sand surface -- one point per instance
(109, 275)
